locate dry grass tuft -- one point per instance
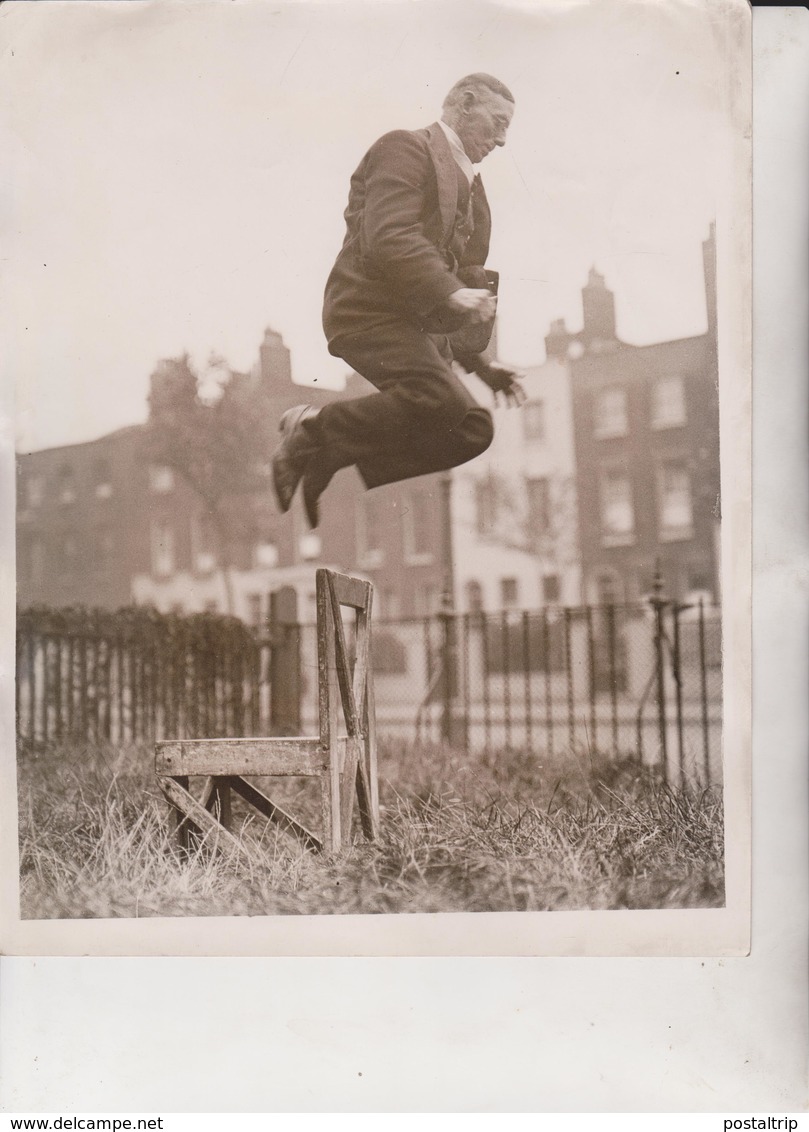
(501, 831)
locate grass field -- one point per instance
(504, 831)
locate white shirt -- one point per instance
(458, 152)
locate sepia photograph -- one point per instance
(382, 442)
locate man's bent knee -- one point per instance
(478, 431)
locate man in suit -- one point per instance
(408, 296)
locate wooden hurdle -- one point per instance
(343, 762)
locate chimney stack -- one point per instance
(598, 304)
(276, 370)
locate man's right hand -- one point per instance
(478, 303)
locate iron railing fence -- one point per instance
(639, 679)
(136, 675)
(612, 679)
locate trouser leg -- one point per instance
(423, 419)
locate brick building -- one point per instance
(646, 432)
(612, 463)
(98, 525)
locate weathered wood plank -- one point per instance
(361, 670)
(225, 757)
(348, 788)
(266, 806)
(328, 696)
(349, 591)
(177, 820)
(343, 764)
(218, 836)
(343, 667)
(369, 753)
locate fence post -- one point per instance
(449, 674)
(285, 682)
(677, 672)
(703, 687)
(658, 603)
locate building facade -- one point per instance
(610, 467)
(99, 525)
(646, 433)
(514, 520)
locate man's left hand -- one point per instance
(503, 382)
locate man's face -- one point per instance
(482, 124)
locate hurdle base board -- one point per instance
(282, 757)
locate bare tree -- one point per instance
(213, 431)
(535, 515)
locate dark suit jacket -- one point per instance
(396, 260)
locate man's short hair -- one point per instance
(478, 82)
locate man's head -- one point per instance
(479, 109)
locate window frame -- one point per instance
(412, 555)
(659, 422)
(681, 532)
(614, 537)
(602, 431)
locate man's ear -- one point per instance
(468, 100)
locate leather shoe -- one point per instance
(316, 479)
(290, 458)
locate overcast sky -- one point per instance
(176, 174)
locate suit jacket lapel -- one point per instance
(482, 219)
(446, 177)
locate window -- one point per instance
(674, 501)
(610, 413)
(485, 507)
(161, 479)
(551, 589)
(369, 532)
(617, 510)
(533, 420)
(66, 485)
(309, 546)
(539, 506)
(608, 591)
(699, 578)
(265, 554)
(474, 596)
(668, 402)
(509, 591)
(32, 492)
(417, 527)
(203, 544)
(390, 655)
(102, 479)
(162, 540)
